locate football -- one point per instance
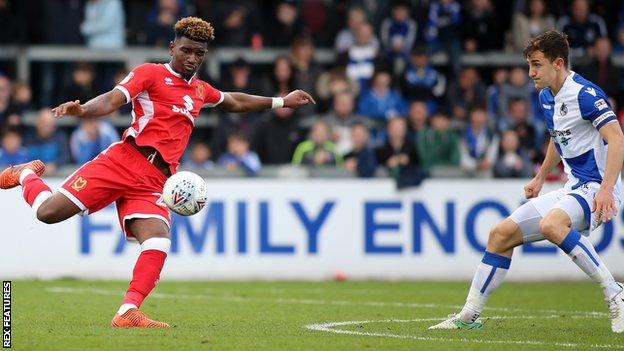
(185, 193)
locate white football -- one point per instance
(185, 193)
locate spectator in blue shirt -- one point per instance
(443, 30)
(421, 81)
(380, 101)
(361, 57)
(48, 143)
(238, 156)
(199, 157)
(398, 34)
(479, 144)
(12, 152)
(92, 137)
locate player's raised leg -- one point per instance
(48, 207)
(556, 227)
(153, 234)
(490, 273)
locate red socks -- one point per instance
(147, 270)
(35, 191)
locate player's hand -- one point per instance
(604, 205)
(69, 108)
(533, 188)
(298, 98)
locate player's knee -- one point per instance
(500, 239)
(551, 228)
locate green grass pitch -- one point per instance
(75, 315)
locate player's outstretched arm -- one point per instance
(241, 102)
(552, 158)
(100, 105)
(603, 203)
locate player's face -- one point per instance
(542, 70)
(187, 55)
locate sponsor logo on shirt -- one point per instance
(188, 107)
(601, 104)
(559, 133)
(603, 117)
(561, 136)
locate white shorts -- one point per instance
(576, 203)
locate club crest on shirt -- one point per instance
(78, 184)
(564, 109)
(564, 141)
(200, 91)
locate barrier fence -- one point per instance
(303, 229)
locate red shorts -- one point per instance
(120, 174)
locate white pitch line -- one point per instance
(329, 327)
(572, 314)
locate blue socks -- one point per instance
(489, 275)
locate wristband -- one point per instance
(277, 102)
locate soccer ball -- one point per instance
(185, 193)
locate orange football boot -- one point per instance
(133, 318)
(9, 178)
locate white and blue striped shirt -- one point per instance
(574, 117)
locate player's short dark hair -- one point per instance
(552, 43)
(195, 29)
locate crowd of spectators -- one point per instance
(383, 107)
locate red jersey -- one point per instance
(164, 108)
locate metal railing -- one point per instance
(134, 56)
(24, 56)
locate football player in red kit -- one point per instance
(166, 99)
